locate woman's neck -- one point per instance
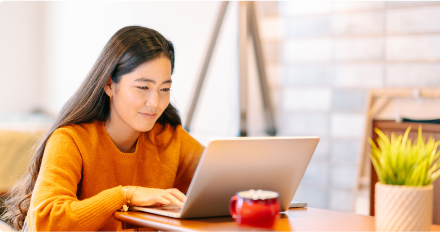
(123, 136)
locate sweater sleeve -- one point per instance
(190, 152)
(54, 203)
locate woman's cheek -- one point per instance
(164, 101)
(134, 99)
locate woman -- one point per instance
(117, 142)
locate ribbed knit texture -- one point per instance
(403, 208)
(80, 182)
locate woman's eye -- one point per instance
(143, 87)
(166, 89)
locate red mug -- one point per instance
(255, 208)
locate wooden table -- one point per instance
(300, 219)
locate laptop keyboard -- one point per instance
(174, 209)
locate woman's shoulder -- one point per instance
(81, 130)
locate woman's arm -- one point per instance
(54, 204)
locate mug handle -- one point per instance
(232, 204)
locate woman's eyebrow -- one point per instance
(143, 79)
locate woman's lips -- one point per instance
(149, 116)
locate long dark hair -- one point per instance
(127, 49)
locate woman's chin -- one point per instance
(145, 127)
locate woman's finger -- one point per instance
(179, 195)
(152, 196)
(173, 199)
(161, 200)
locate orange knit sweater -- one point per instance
(79, 186)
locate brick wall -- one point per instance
(324, 56)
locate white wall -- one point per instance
(18, 57)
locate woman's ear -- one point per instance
(109, 88)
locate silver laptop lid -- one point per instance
(230, 165)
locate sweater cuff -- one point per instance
(95, 211)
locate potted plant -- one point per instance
(406, 171)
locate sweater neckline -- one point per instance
(116, 151)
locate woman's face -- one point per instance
(141, 96)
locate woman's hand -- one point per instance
(152, 196)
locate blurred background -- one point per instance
(321, 58)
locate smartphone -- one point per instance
(297, 204)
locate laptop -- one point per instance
(231, 165)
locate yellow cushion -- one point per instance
(15, 154)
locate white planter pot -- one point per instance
(403, 208)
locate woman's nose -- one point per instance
(153, 99)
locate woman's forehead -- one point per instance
(157, 71)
